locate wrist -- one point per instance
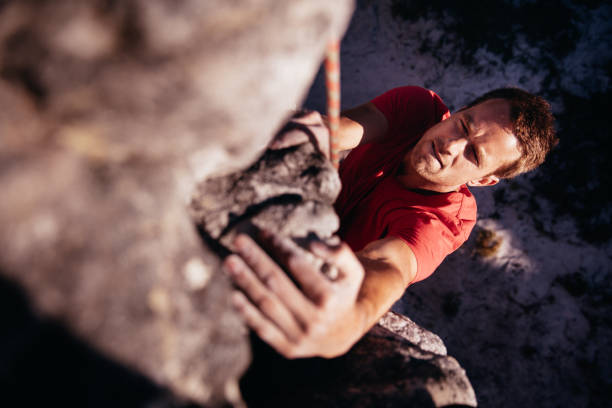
(363, 316)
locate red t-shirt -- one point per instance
(373, 204)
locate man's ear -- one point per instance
(489, 180)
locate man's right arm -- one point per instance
(360, 125)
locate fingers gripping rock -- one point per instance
(305, 126)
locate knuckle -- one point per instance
(319, 298)
(241, 281)
(327, 296)
(315, 320)
(324, 299)
(268, 279)
(315, 330)
(314, 326)
(263, 302)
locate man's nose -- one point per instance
(453, 145)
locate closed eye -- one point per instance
(466, 132)
(475, 155)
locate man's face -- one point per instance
(465, 148)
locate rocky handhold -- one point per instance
(289, 191)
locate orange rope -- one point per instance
(332, 84)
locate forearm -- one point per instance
(359, 125)
(389, 267)
(350, 133)
(382, 286)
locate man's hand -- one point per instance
(301, 128)
(318, 318)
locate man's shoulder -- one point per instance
(412, 93)
(411, 106)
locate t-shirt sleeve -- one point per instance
(428, 237)
(410, 108)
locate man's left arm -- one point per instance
(316, 316)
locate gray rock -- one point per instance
(288, 191)
(381, 370)
(111, 111)
(415, 334)
(396, 370)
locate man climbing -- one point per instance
(404, 206)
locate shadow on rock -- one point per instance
(41, 361)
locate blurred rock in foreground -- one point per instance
(110, 113)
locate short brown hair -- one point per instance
(532, 124)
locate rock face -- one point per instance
(111, 111)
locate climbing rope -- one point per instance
(332, 85)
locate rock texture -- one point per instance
(110, 113)
(288, 191)
(405, 328)
(387, 368)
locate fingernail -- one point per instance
(318, 246)
(236, 298)
(230, 265)
(334, 240)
